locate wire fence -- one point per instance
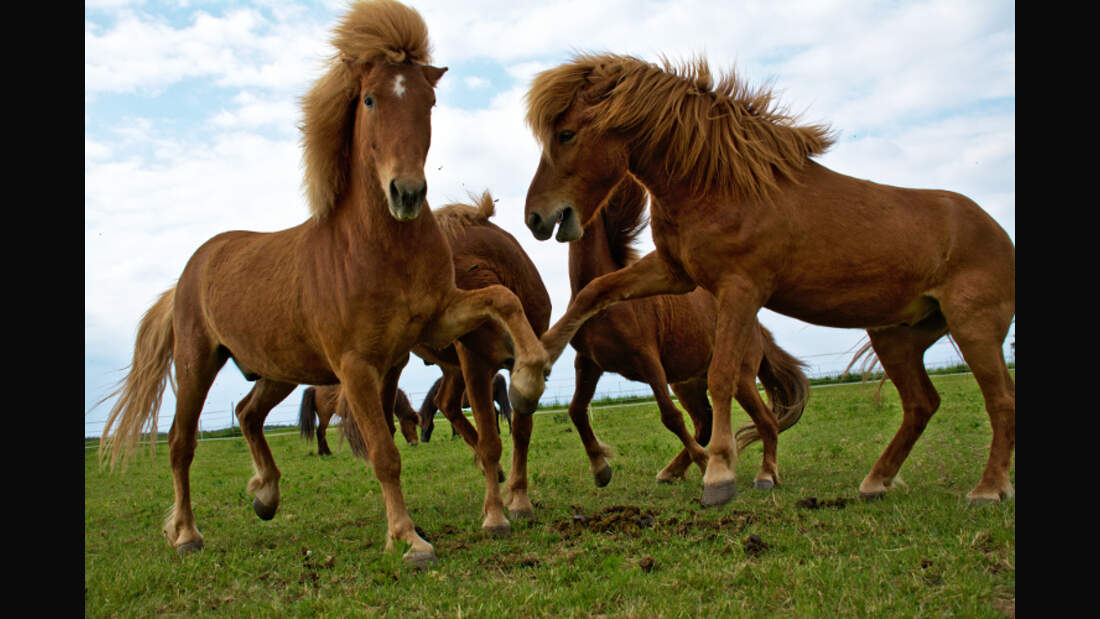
(558, 392)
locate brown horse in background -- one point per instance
(428, 407)
(667, 341)
(340, 298)
(739, 208)
(320, 404)
(487, 256)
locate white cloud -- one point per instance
(917, 91)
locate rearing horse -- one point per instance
(667, 341)
(740, 208)
(341, 298)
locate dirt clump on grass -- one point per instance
(625, 519)
(812, 502)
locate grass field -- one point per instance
(810, 547)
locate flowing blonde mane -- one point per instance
(453, 218)
(715, 136)
(371, 31)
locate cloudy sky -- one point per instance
(191, 114)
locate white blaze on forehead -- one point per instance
(399, 86)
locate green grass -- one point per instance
(634, 548)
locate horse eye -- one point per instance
(368, 101)
(565, 136)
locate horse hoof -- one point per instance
(186, 549)
(263, 511)
(420, 559)
(719, 494)
(872, 496)
(500, 530)
(526, 514)
(603, 476)
(763, 484)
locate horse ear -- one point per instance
(358, 67)
(433, 73)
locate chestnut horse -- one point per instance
(739, 208)
(320, 404)
(341, 298)
(487, 256)
(428, 407)
(667, 341)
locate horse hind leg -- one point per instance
(519, 504)
(251, 413)
(901, 349)
(196, 367)
(673, 419)
(478, 377)
(763, 418)
(587, 377)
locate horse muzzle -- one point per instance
(542, 227)
(406, 197)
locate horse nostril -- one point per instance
(534, 221)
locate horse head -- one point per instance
(393, 130)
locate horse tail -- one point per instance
(140, 392)
(870, 360)
(787, 386)
(307, 414)
(350, 429)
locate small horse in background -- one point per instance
(341, 298)
(321, 404)
(667, 341)
(740, 208)
(429, 407)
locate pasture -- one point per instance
(810, 547)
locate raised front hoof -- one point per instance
(521, 404)
(420, 559)
(185, 549)
(263, 511)
(763, 484)
(602, 476)
(719, 494)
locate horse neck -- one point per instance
(590, 255)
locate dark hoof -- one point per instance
(263, 511)
(502, 530)
(420, 560)
(872, 496)
(500, 477)
(719, 494)
(516, 514)
(188, 548)
(763, 484)
(603, 476)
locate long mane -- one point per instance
(371, 31)
(455, 217)
(624, 219)
(714, 136)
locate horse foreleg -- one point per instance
(469, 309)
(673, 420)
(738, 303)
(251, 412)
(587, 375)
(519, 504)
(362, 387)
(645, 278)
(449, 400)
(692, 395)
(479, 389)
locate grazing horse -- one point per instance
(740, 208)
(342, 297)
(321, 404)
(428, 407)
(667, 341)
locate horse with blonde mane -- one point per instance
(320, 404)
(668, 341)
(342, 297)
(740, 208)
